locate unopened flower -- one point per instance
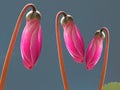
(94, 50)
(31, 41)
(73, 39)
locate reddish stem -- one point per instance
(60, 55)
(12, 43)
(105, 58)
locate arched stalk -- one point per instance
(105, 58)
(60, 55)
(12, 43)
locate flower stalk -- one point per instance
(104, 68)
(59, 47)
(12, 43)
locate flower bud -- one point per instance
(94, 50)
(73, 39)
(31, 40)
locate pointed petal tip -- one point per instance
(78, 60)
(28, 66)
(89, 67)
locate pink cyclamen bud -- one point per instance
(73, 39)
(31, 41)
(94, 50)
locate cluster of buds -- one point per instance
(75, 44)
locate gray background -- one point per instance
(89, 15)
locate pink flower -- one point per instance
(94, 50)
(73, 39)
(31, 42)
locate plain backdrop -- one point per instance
(89, 16)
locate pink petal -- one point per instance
(31, 43)
(74, 41)
(94, 51)
(35, 46)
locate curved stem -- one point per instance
(60, 55)
(12, 43)
(105, 58)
